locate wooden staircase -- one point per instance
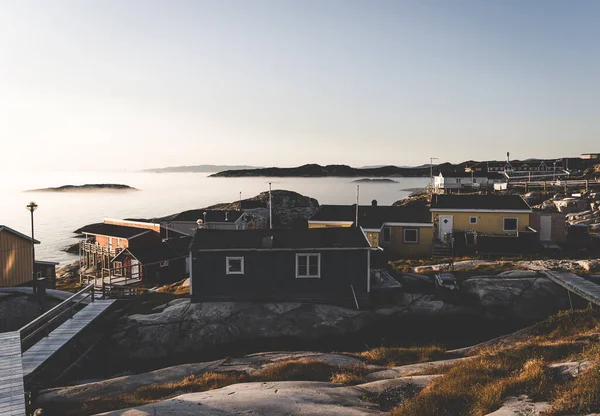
(441, 251)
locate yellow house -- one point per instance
(485, 214)
(16, 267)
(399, 231)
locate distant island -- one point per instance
(375, 180)
(87, 188)
(200, 168)
(314, 170)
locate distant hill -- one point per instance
(200, 168)
(314, 170)
(87, 188)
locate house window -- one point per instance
(387, 234)
(308, 266)
(411, 235)
(511, 224)
(472, 220)
(234, 265)
(164, 263)
(118, 268)
(119, 242)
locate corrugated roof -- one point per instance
(370, 216)
(111, 230)
(18, 234)
(313, 238)
(211, 215)
(487, 202)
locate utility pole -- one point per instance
(32, 206)
(431, 159)
(270, 208)
(357, 198)
(240, 201)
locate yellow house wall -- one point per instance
(397, 247)
(487, 222)
(321, 225)
(373, 238)
(15, 260)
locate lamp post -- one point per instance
(32, 206)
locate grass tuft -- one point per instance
(396, 356)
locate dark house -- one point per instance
(46, 270)
(160, 262)
(326, 265)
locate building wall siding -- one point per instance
(15, 260)
(398, 247)
(272, 275)
(103, 241)
(487, 222)
(323, 225)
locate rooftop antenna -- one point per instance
(270, 208)
(357, 195)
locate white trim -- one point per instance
(510, 218)
(372, 230)
(309, 255)
(331, 222)
(207, 250)
(476, 220)
(407, 224)
(511, 211)
(369, 271)
(227, 259)
(404, 241)
(124, 222)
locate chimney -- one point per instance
(226, 215)
(374, 203)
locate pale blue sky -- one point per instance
(135, 84)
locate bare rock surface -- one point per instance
(403, 370)
(520, 406)
(264, 399)
(570, 370)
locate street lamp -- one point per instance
(32, 206)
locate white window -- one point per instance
(308, 266)
(387, 234)
(118, 268)
(164, 263)
(234, 265)
(472, 220)
(411, 235)
(119, 242)
(510, 224)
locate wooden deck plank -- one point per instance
(576, 284)
(35, 356)
(12, 391)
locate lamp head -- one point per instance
(32, 206)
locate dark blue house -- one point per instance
(323, 265)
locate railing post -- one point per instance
(92, 294)
(103, 290)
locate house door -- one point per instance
(546, 228)
(445, 226)
(135, 269)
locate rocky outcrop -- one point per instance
(182, 327)
(521, 406)
(87, 187)
(19, 308)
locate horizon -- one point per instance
(145, 84)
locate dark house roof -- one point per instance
(111, 230)
(480, 202)
(18, 234)
(154, 253)
(463, 174)
(211, 215)
(373, 216)
(311, 238)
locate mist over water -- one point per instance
(60, 213)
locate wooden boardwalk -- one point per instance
(12, 393)
(576, 284)
(35, 356)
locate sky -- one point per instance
(133, 84)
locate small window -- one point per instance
(164, 263)
(234, 265)
(472, 220)
(511, 224)
(387, 234)
(119, 242)
(308, 266)
(118, 268)
(411, 235)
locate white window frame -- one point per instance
(404, 236)
(473, 223)
(118, 271)
(383, 236)
(227, 259)
(504, 223)
(309, 256)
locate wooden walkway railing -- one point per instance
(576, 284)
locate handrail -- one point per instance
(42, 322)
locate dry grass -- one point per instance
(396, 356)
(581, 396)
(175, 288)
(310, 370)
(68, 285)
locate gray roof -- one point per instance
(18, 234)
(480, 202)
(112, 230)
